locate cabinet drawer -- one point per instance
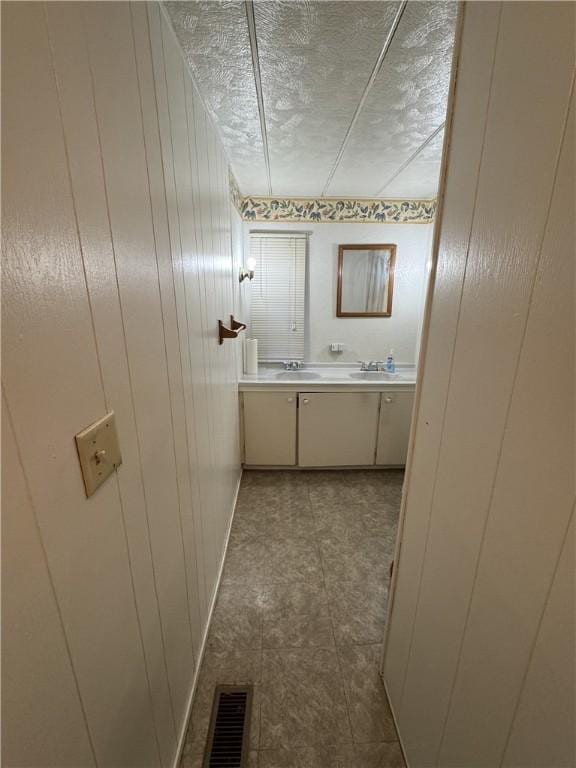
(337, 429)
(270, 428)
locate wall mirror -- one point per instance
(365, 280)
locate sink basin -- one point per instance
(374, 375)
(297, 375)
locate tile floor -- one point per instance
(300, 614)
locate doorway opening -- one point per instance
(335, 135)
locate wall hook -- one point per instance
(229, 333)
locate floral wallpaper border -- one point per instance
(332, 209)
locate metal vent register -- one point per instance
(229, 733)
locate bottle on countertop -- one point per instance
(390, 364)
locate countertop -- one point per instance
(334, 378)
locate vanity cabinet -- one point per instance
(394, 428)
(326, 429)
(270, 428)
(337, 429)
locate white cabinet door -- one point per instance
(394, 428)
(270, 428)
(337, 429)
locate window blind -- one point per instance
(278, 294)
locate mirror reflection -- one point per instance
(365, 280)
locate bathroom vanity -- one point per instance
(326, 417)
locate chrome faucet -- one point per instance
(373, 365)
(293, 365)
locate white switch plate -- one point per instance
(98, 451)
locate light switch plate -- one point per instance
(98, 451)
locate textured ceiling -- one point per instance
(327, 122)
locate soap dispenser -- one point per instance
(390, 364)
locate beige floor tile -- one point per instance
(296, 615)
(195, 761)
(237, 619)
(309, 757)
(367, 702)
(292, 559)
(303, 700)
(338, 519)
(245, 563)
(386, 755)
(356, 559)
(358, 610)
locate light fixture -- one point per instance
(248, 273)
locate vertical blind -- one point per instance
(278, 294)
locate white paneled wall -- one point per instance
(118, 265)
(479, 661)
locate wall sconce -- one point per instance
(248, 273)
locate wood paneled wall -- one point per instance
(117, 267)
(479, 662)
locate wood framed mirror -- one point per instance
(365, 280)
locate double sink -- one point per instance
(305, 375)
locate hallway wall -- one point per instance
(117, 267)
(479, 662)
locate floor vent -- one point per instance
(229, 733)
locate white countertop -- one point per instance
(318, 378)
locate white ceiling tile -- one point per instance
(214, 38)
(315, 61)
(421, 176)
(406, 104)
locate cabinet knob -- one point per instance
(290, 399)
(388, 399)
(305, 401)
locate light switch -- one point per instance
(98, 451)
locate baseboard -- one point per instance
(184, 727)
(395, 721)
(292, 468)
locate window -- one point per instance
(277, 295)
